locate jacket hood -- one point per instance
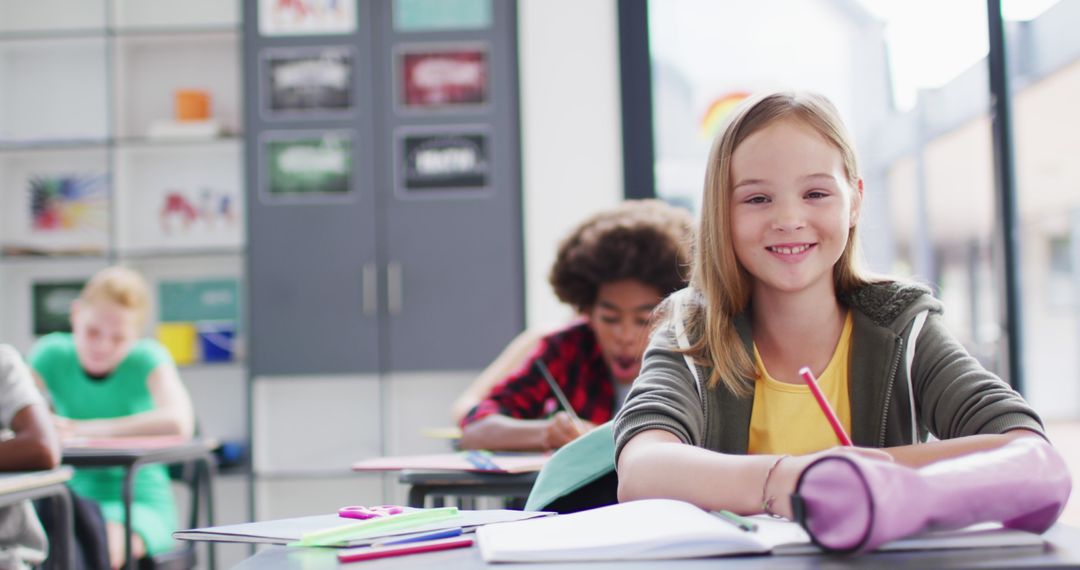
(892, 304)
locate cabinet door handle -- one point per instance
(370, 291)
(395, 295)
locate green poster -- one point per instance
(199, 300)
(428, 15)
(302, 167)
(52, 305)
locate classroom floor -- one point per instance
(1066, 438)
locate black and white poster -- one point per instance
(308, 81)
(435, 162)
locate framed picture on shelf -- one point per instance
(51, 302)
(442, 163)
(306, 17)
(307, 82)
(54, 203)
(442, 77)
(306, 166)
(182, 197)
(441, 15)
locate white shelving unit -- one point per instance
(83, 184)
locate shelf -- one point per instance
(35, 35)
(13, 259)
(150, 254)
(52, 145)
(135, 143)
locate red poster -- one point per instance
(448, 78)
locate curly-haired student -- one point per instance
(613, 269)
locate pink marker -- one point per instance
(830, 415)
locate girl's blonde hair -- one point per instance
(121, 286)
(716, 274)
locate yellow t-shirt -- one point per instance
(787, 419)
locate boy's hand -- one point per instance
(561, 430)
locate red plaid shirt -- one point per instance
(573, 356)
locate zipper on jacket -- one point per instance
(897, 352)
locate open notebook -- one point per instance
(658, 529)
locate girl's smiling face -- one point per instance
(791, 207)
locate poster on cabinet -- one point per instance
(443, 77)
(305, 167)
(444, 163)
(307, 82)
(306, 17)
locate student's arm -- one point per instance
(498, 432)
(965, 406)
(930, 452)
(172, 413)
(512, 358)
(35, 444)
(656, 464)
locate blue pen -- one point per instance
(445, 533)
(481, 460)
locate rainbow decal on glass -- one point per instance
(718, 111)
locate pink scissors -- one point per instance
(365, 513)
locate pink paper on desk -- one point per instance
(517, 463)
(134, 442)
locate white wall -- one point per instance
(571, 130)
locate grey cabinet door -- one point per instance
(450, 196)
(313, 284)
(312, 231)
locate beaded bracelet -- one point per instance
(766, 501)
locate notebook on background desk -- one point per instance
(286, 531)
(463, 461)
(658, 529)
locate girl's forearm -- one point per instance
(930, 452)
(152, 422)
(657, 465)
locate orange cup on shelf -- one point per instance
(192, 105)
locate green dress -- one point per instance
(122, 393)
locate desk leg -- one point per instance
(209, 472)
(417, 493)
(129, 476)
(65, 514)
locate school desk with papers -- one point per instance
(662, 529)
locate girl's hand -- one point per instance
(561, 430)
(65, 427)
(786, 474)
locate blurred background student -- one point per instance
(106, 381)
(613, 269)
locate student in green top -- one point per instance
(105, 381)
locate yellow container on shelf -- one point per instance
(180, 340)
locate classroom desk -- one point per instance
(465, 484)
(1062, 551)
(16, 487)
(196, 452)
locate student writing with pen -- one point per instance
(613, 269)
(719, 415)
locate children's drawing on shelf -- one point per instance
(212, 209)
(67, 202)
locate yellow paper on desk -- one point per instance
(373, 527)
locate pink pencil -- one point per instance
(830, 415)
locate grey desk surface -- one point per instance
(1061, 551)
